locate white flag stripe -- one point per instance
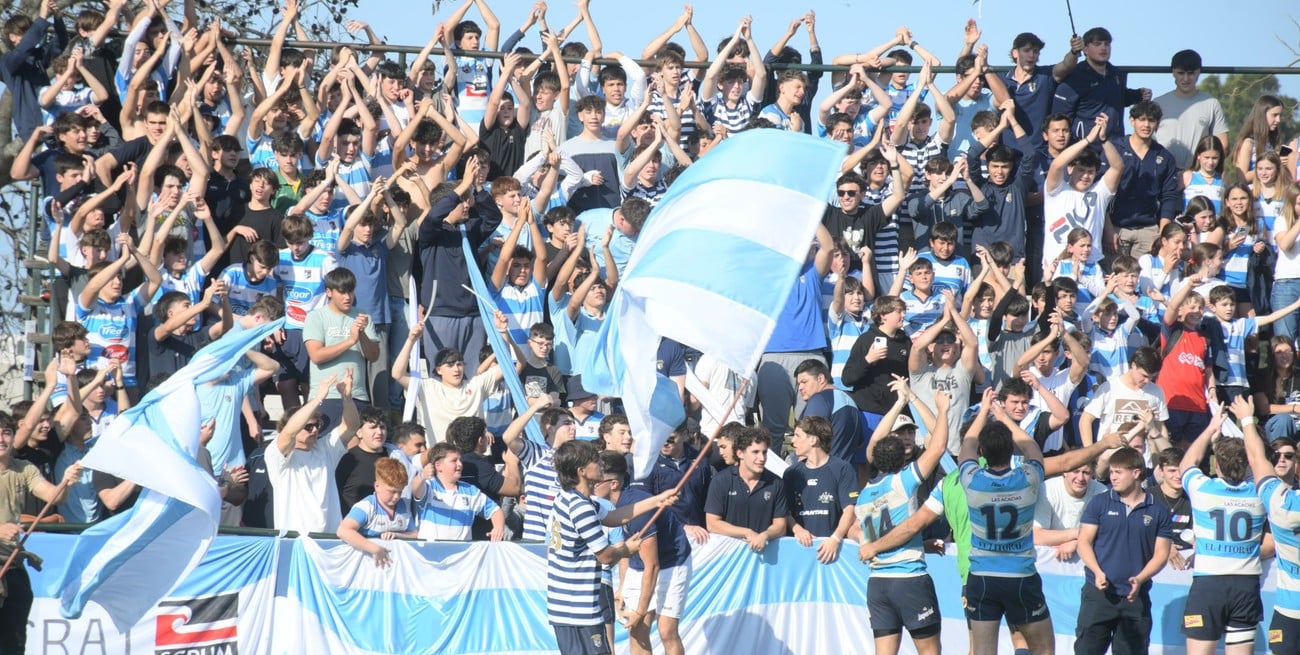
(692, 315)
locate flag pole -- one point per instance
(1070, 12)
(740, 391)
(58, 491)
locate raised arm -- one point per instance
(1256, 453)
(709, 83)
(937, 443)
(1056, 172)
(491, 26)
(656, 44)
(1063, 68)
(288, 435)
(1113, 158)
(513, 437)
(1196, 452)
(573, 251)
(290, 14)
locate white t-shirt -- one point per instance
(1115, 403)
(1057, 509)
(722, 383)
(1059, 385)
(306, 496)
(1288, 262)
(438, 404)
(1065, 208)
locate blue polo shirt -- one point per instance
(732, 499)
(673, 547)
(1033, 99)
(847, 432)
(1126, 539)
(665, 475)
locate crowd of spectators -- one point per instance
(1037, 246)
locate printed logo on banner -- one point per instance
(198, 626)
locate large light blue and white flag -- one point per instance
(129, 562)
(712, 269)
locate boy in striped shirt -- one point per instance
(254, 278)
(382, 515)
(541, 486)
(519, 278)
(577, 547)
(924, 304)
(110, 314)
(318, 206)
(951, 271)
(732, 106)
(447, 505)
(300, 275)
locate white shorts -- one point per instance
(669, 597)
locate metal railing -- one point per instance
(404, 50)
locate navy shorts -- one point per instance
(897, 603)
(606, 604)
(581, 639)
(1019, 600)
(1283, 634)
(1219, 603)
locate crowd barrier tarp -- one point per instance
(225, 606)
(324, 597)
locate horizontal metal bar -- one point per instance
(812, 68)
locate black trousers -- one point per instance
(1108, 620)
(13, 613)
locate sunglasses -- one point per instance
(846, 192)
(314, 426)
(946, 340)
(1286, 455)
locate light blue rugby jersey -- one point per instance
(1002, 517)
(883, 504)
(1283, 505)
(1228, 522)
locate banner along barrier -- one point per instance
(260, 595)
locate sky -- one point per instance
(1222, 33)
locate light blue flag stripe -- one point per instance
(97, 537)
(708, 260)
(505, 354)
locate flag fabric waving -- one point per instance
(502, 350)
(712, 269)
(130, 561)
